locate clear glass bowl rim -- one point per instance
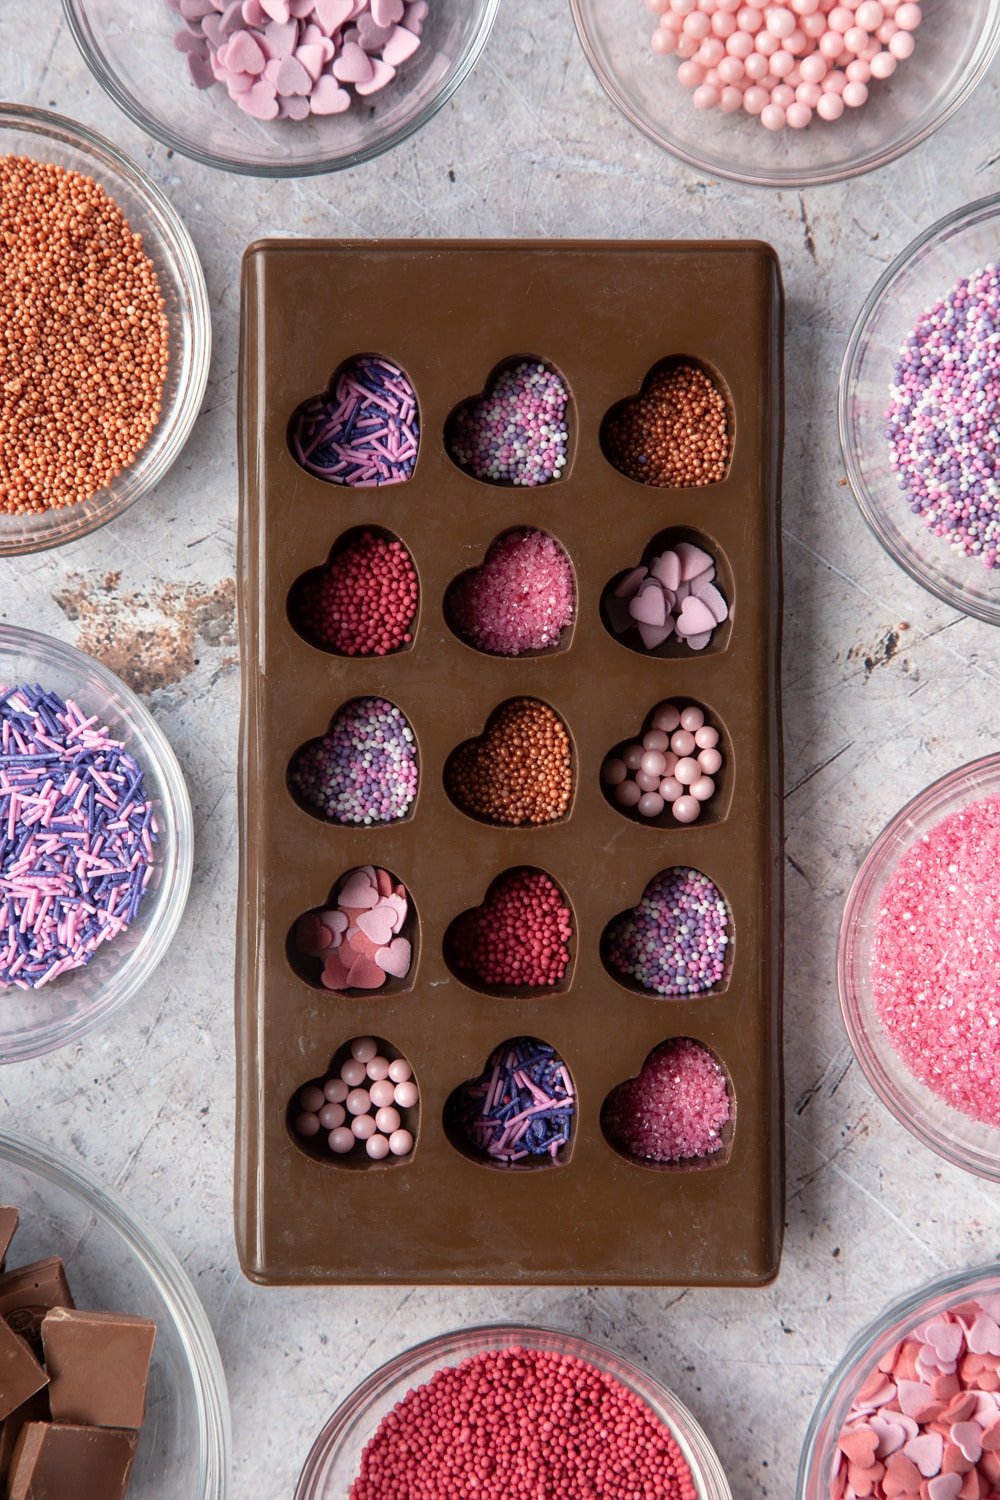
(906, 1311)
(47, 124)
(872, 871)
(179, 860)
(460, 1343)
(173, 1285)
(969, 213)
(276, 169)
(792, 178)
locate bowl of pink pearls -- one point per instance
(788, 94)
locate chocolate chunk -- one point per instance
(9, 1219)
(35, 1409)
(54, 1461)
(98, 1365)
(20, 1373)
(28, 1293)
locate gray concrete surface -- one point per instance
(531, 146)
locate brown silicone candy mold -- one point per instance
(603, 315)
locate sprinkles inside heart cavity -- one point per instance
(365, 432)
(521, 599)
(676, 941)
(363, 770)
(521, 1106)
(358, 940)
(675, 1110)
(517, 433)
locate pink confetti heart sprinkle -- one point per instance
(944, 1487)
(377, 925)
(649, 607)
(401, 45)
(695, 618)
(395, 959)
(382, 74)
(359, 893)
(327, 99)
(693, 560)
(946, 1339)
(353, 65)
(631, 583)
(984, 1336)
(926, 1451)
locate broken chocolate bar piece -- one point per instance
(28, 1293)
(98, 1365)
(20, 1373)
(35, 1409)
(56, 1461)
(9, 1219)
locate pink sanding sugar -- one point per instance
(675, 1110)
(936, 959)
(521, 599)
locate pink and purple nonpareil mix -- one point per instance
(942, 423)
(521, 599)
(676, 941)
(675, 595)
(935, 964)
(925, 1423)
(363, 433)
(784, 63)
(288, 59)
(363, 770)
(77, 836)
(517, 432)
(676, 1110)
(357, 942)
(521, 1106)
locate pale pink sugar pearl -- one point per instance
(935, 964)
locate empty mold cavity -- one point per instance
(676, 563)
(363, 430)
(678, 1115)
(520, 600)
(519, 1114)
(519, 772)
(674, 772)
(518, 431)
(363, 600)
(519, 942)
(676, 943)
(322, 1114)
(329, 779)
(362, 941)
(677, 432)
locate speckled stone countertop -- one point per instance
(885, 689)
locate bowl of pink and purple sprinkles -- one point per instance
(95, 844)
(919, 966)
(919, 398)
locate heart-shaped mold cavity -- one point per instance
(363, 1113)
(675, 772)
(679, 1112)
(363, 430)
(518, 942)
(363, 600)
(517, 431)
(520, 601)
(643, 606)
(362, 941)
(677, 432)
(518, 771)
(520, 1113)
(333, 779)
(677, 942)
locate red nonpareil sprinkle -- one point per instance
(363, 603)
(520, 934)
(936, 959)
(675, 1110)
(518, 1424)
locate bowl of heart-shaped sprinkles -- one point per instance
(95, 844)
(914, 1407)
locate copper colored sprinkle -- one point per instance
(936, 959)
(675, 1110)
(83, 338)
(519, 771)
(674, 434)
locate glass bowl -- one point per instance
(114, 1265)
(815, 1467)
(925, 91)
(130, 51)
(964, 1142)
(955, 247)
(25, 131)
(33, 1022)
(335, 1459)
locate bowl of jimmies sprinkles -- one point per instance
(95, 844)
(919, 966)
(919, 404)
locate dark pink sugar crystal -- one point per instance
(675, 1110)
(936, 959)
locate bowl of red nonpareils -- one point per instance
(470, 1413)
(95, 844)
(281, 88)
(913, 1408)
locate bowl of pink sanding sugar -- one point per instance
(913, 1408)
(919, 966)
(483, 1411)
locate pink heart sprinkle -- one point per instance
(653, 636)
(327, 99)
(271, 70)
(649, 606)
(401, 45)
(277, 9)
(377, 925)
(293, 78)
(858, 1444)
(331, 14)
(365, 975)
(300, 8)
(294, 107)
(695, 617)
(619, 617)
(242, 54)
(692, 559)
(279, 41)
(890, 1436)
(945, 1487)
(358, 893)
(630, 583)
(312, 60)
(383, 882)
(386, 12)
(914, 1397)
(984, 1336)
(334, 921)
(946, 1340)
(239, 83)
(667, 568)
(335, 973)
(395, 959)
(353, 65)
(926, 1451)
(369, 36)
(969, 1437)
(382, 74)
(400, 906)
(253, 13)
(699, 642)
(710, 596)
(260, 101)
